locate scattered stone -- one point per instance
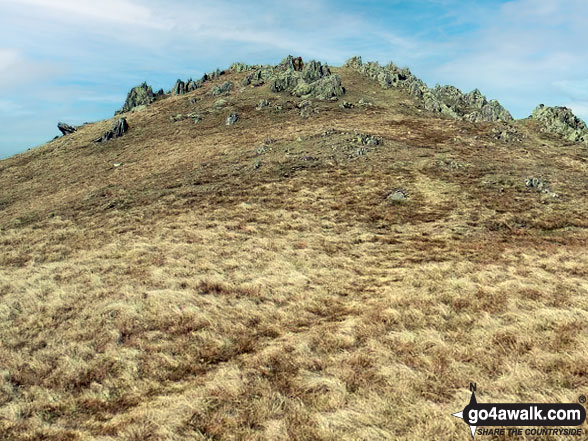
(303, 104)
(212, 75)
(119, 128)
(224, 88)
(117, 164)
(364, 102)
(141, 95)
(346, 105)
(257, 164)
(262, 104)
(398, 195)
(178, 117)
(507, 133)
(232, 119)
(562, 122)
(365, 139)
(65, 129)
(261, 149)
(540, 186)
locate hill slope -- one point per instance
(312, 271)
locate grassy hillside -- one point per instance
(255, 282)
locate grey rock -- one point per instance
(346, 105)
(290, 62)
(239, 67)
(141, 95)
(181, 88)
(562, 122)
(366, 139)
(396, 196)
(258, 77)
(232, 119)
(262, 104)
(284, 81)
(224, 88)
(119, 128)
(354, 62)
(314, 71)
(65, 129)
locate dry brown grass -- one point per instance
(189, 295)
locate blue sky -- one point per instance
(74, 61)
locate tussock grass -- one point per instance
(189, 295)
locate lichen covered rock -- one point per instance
(562, 122)
(141, 95)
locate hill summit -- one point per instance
(292, 252)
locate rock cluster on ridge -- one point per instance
(448, 100)
(141, 95)
(561, 121)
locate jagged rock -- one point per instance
(290, 62)
(141, 95)
(119, 128)
(346, 105)
(314, 71)
(212, 75)
(284, 81)
(314, 81)
(239, 67)
(232, 119)
(447, 100)
(224, 88)
(180, 88)
(326, 88)
(258, 77)
(65, 129)
(561, 121)
(354, 62)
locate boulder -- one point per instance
(119, 128)
(314, 71)
(65, 129)
(141, 95)
(562, 122)
(240, 67)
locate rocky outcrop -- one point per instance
(141, 95)
(258, 77)
(65, 129)
(447, 100)
(119, 128)
(181, 87)
(240, 67)
(312, 80)
(290, 62)
(562, 122)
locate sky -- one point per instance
(76, 60)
